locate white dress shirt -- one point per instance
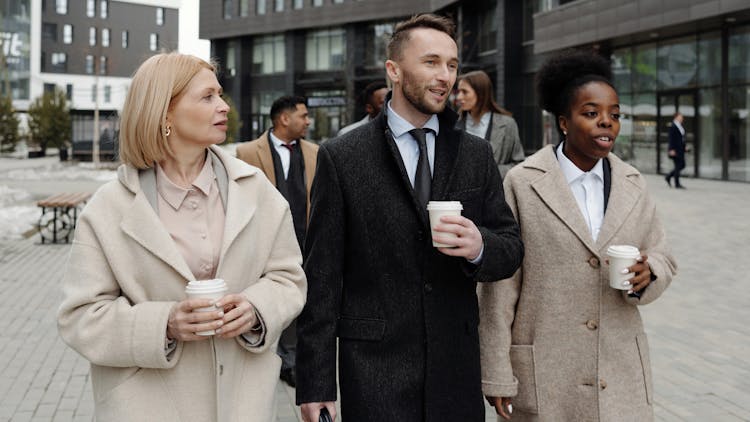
(408, 146)
(587, 188)
(284, 153)
(679, 127)
(409, 149)
(478, 128)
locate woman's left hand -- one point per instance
(642, 272)
(239, 316)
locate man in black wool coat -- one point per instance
(404, 312)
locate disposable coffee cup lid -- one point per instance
(624, 251)
(444, 205)
(202, 286)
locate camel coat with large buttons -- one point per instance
(125, 273)
(556, 337)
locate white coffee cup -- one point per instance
(206, 289)
(621, 257)
(438, 209)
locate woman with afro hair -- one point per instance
(557, 342)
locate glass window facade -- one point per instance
(269, 54)
(488, 29)
(153, 42)
(105, 37)
(67, 34)
(325, 49)
(160, 16)
(376, 41)
(260, 7)
(684, 74)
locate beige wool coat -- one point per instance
(125, 273)
(556, 337)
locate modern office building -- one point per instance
(667, 55)
(329, 50)
(86, 48)
(691, 56)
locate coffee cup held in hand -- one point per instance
(206, 289)
(438, 209)
(621, 257)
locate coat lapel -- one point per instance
(398, 162)
(266, 159)
(446, 153)
(238, 210)
(143, 225)
(622, 199)
(555, 193)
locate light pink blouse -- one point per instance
(194, 217)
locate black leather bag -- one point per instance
(325, 416)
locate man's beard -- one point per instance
(414, 93)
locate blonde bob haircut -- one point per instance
(157, 85)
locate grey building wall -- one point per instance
(213, 25)
(139, 20)
(589, 21)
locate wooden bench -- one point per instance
(59, 214)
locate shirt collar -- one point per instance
(278, 142)
(572, 172)
(679, 125)
(174, 195)
(400, 126)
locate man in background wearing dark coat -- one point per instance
(405, 313)
(288, 161)
(676, 150)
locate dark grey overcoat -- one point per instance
(405, 315)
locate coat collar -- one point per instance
(141, 222)
(553, 190)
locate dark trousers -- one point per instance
(287, 349)
(679, 164)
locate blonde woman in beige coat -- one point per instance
(557, 342)
(181, 209)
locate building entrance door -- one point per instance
(669, 103)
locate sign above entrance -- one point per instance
(326, 101)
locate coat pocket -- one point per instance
(642, 342)
(522, 361)
(369, 329)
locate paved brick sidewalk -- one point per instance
(698, 331)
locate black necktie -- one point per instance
(423, 177)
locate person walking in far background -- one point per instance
(483, 117)
(289, 163)
(374, 98)
(676, 150)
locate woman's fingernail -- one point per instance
(510, 408)
(221, 314)
(630, 292)
(624, 271)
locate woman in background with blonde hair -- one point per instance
(180, 210)
(483, 117)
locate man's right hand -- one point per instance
(502, 406)
(311, 411)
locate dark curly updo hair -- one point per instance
(561, 76)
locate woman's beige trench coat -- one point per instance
(125, 273)
(556, 337)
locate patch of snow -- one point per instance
(59, 171)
